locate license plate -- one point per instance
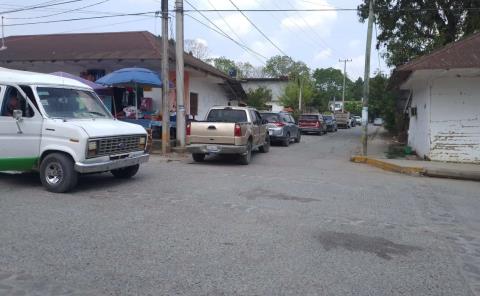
(212, 148)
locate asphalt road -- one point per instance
(300, 220)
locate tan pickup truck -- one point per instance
(228, 130)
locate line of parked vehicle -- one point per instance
(240, 130)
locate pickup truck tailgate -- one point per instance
(212, 132)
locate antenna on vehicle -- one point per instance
(3, 37)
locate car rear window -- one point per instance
(227, 115)
(270, 117)
(308, 117)
(327, 117)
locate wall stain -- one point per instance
(379, 246)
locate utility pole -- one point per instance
(300, 86)
(366, 78)
(165, 100)
(180, 72)
(345, 61)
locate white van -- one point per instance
(60, 128)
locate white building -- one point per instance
(444, 102)
(276, 85)
(92, 55)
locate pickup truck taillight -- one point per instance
(238, 130)
(189, 129)
(317, 124)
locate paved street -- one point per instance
(300, 220)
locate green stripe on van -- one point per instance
(18, 163)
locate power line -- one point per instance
(58, 13)
(39, 6)
(309, 26)
(225, 34)
(247, 49)
(258, 29)
(82, 18)
(335, 9)
(228, 25)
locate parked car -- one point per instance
(358, 119)
(331, 122)
(312, 123)
(60, 128)
(378, 121)
(228, 130)
(282, 127)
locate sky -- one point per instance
(319, 39)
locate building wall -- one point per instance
(277, 88)
(447, 124)
(455, 119)
(209, 94)
(419, 130)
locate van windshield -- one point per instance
(71, 103)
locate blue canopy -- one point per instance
(131, 77)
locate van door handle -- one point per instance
(212, 127)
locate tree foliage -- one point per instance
(354, 107)
(381, 101)
(291, 94)
(223, 64)
(259, 97)
(410, 28)
(279, 66)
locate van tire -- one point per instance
(247, 157)
(298, 138)
(198, 157)
(126, 172)
(57, 173)
(286, 141)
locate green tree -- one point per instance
(278, 66)
(410, 28)
(329, 85)
(381, 101)
(223, 64)
(356, 90)
(354, 107)
(291, 94)
(259, 97)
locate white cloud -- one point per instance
(201, 41)
(355, 43)
(225, 4)
(322, 22)
(322, 55)
(236, 22)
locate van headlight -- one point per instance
(142, 141)
(92, 148)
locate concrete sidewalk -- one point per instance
(378, 146)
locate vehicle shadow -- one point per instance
(30, 179)
(224, 160)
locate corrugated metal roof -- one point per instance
(95, 46)
(464, 53)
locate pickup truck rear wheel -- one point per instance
(126, 172)
(198, 157)
(57, 173)
(266, 146)
(245, 158)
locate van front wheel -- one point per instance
(57, 173)
(126, 172)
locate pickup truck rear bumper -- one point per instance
(217, 149)
(111, 164)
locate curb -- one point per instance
(418, 171)
(388, 166)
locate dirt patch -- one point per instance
(379, 246)
(262, 193)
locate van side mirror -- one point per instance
(17, 115)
